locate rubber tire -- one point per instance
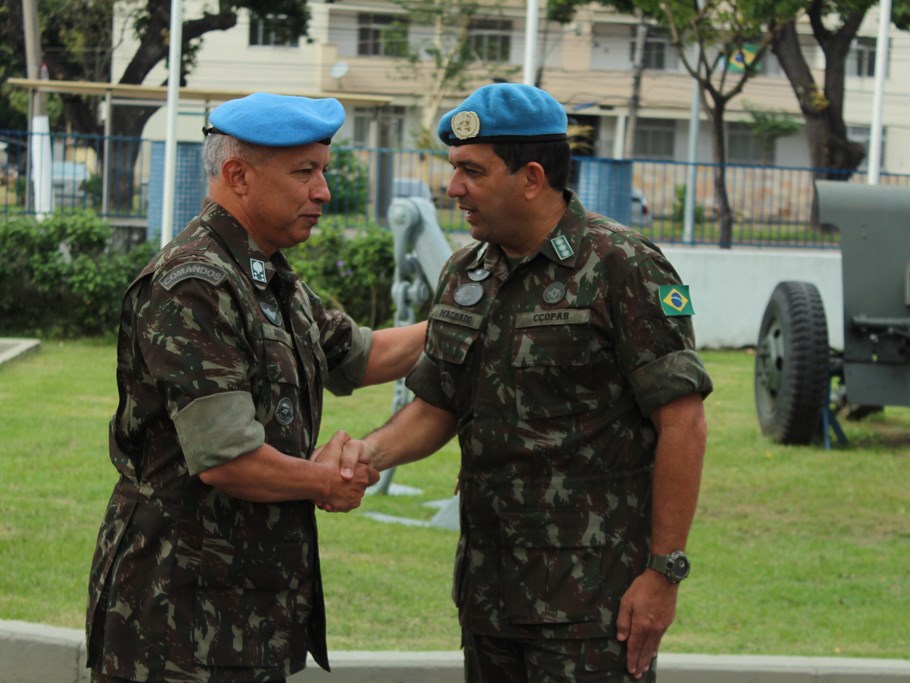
(792, 364)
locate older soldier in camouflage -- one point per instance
(560, 351)
(207, 566)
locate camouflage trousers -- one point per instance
(511, 660)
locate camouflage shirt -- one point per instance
(220, 350)
(552, 368)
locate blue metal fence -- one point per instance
(771, 206)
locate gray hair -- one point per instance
(218, 149)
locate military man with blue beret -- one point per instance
(560, 350)
(207, 566)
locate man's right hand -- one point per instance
(349, 473)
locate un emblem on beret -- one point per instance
(465, 125)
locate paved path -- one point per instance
(11, 348)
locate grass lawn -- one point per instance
(796, 551)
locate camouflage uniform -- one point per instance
(220, 351)
(552, 369)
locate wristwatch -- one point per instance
(674, 566)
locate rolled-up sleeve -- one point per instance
(215, 429)
(656, 351)
(193, 343)
(348, 370)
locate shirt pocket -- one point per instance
(555, 565)
(554, 367)
(281, 411)
(450, 343)
(250, 599)
(280, 357)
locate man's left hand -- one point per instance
(645, 613)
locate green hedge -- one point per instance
(351, 270)
(60, 278)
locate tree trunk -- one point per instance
(829, 148)
(725, 215)
(638, 67)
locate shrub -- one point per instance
(679, 207)
(59, 277)
(353, 273)
(348, 181)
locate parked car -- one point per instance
(641, 212)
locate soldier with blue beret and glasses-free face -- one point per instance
(207, 566)
(560, 351)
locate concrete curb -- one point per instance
(11, 348)
(34, 653)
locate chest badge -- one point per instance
(554, 292)
(479, 274)
(468, 294)
(284, 412)
(257, 270)
(562, 247)
(270, 312)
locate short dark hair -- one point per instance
(554, 156)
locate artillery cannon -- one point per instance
(799, 379)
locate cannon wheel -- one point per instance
(792, 364)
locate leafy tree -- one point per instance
(721, 45)
(835, 24)
(76, 44)
(769, 126)
(444, 60)
(563, 12)
(78, 37)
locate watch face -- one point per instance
(679, 567)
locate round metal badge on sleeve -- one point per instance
(468, 294)
(479, 274)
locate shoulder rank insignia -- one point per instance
(195, 269)
(675, 300)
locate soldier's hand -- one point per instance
(345, 494)
(331, 452)
(645, 613)
(354, 463)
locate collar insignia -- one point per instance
(257, 270)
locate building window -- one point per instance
(657, 47)
(864, 57)
(390, 122)
(745, 147)
(655, 139)
(382, 35)
(491, 39)
(271, 30)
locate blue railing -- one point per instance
(770, 206)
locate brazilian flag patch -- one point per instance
(675, 300)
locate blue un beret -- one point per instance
(278, 120)
(504, 112)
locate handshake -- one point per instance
(347, 467)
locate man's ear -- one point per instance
(234, 172)
(535, 179)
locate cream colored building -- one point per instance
(586, 66)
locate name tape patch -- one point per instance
(566, 316)
(457, 316)
(199, 270)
